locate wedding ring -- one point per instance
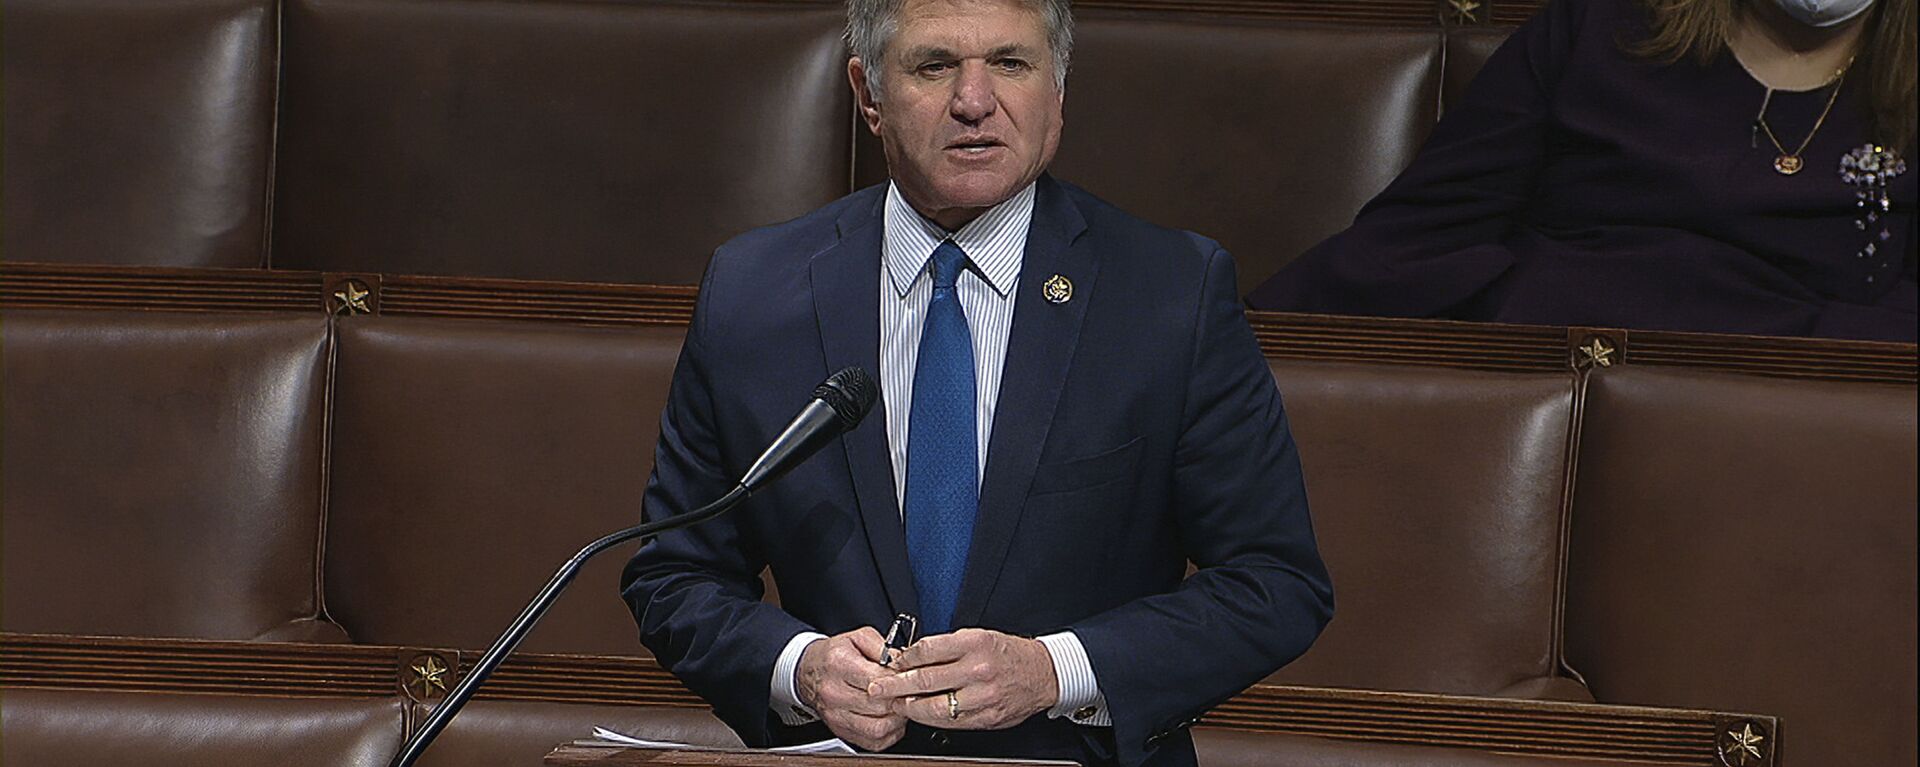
(953, 704)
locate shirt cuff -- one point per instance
(785, 700)
(1080, 698)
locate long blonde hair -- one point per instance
(1698, 29)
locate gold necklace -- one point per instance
(1788, 163)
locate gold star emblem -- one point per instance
(429, 676)
(351, 298)
(1743, 746)
(1597, 352)
(1464, 11)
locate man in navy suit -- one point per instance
(1073, 409)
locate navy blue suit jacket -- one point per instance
(1138, 428)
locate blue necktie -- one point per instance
(942, 485)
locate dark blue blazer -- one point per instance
(1138, 428)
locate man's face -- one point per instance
(967, 110)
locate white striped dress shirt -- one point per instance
(995, 244)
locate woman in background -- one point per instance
(1732, 166)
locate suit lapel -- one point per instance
(846, 304)
(1040, 345)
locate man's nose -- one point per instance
(973, 96)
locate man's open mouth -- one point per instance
(975, 146)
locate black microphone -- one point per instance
(838, 405)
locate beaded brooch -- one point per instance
(1867, 169)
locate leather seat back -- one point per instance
(470, 459)
(138, 132)
(1267, 136)
(74, 728)
(592, 141)
(1438, 499)
(162, 473)
(1749, 543)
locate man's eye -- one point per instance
(933, 67)
(1013, 66)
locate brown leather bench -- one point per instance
(623, 141)
(225, 703)
(471, 458)
(1439, 498)
(84, 728)
(540, 430)
(552, 140)
(291, 471)
(138, 132)
(1437, 457)
(1253, 132)
(163, 472)
(1753, 540)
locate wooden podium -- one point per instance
(597, 754)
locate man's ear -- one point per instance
(862, 95)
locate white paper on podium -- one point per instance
(830, 746)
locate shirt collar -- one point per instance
(995, 242)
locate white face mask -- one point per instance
(1824, 13)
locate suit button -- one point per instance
(939, 738)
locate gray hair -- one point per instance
(871, 25)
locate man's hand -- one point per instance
(997, 680)
(833, 677)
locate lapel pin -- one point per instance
(1057, 289)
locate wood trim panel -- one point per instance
(1483, 346)
(578, 303)
(1545, 728)
(54, 661)
(67, 286)
(1512, 13)
(1778, 357)
(1585, 730)
(1414, 342)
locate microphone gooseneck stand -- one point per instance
(509, 640)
